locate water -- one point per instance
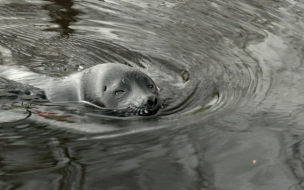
(231, 71)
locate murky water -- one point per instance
(232, 73)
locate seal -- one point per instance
(108, 85)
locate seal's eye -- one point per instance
(150, 86)
(119, 92)
(105, 88)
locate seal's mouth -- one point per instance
(142, 111)
(146, 110)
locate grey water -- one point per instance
(231, 71)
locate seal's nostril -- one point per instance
(150, 103)
(155, 101)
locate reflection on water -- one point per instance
(232, 73)
(63, 14)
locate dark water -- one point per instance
(250, 53)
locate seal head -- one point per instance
(120, 87)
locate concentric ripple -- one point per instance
(198, 61)
(203, 61)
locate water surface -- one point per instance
(232, 73)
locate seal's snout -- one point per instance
(152, 101)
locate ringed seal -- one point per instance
(108, 85)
